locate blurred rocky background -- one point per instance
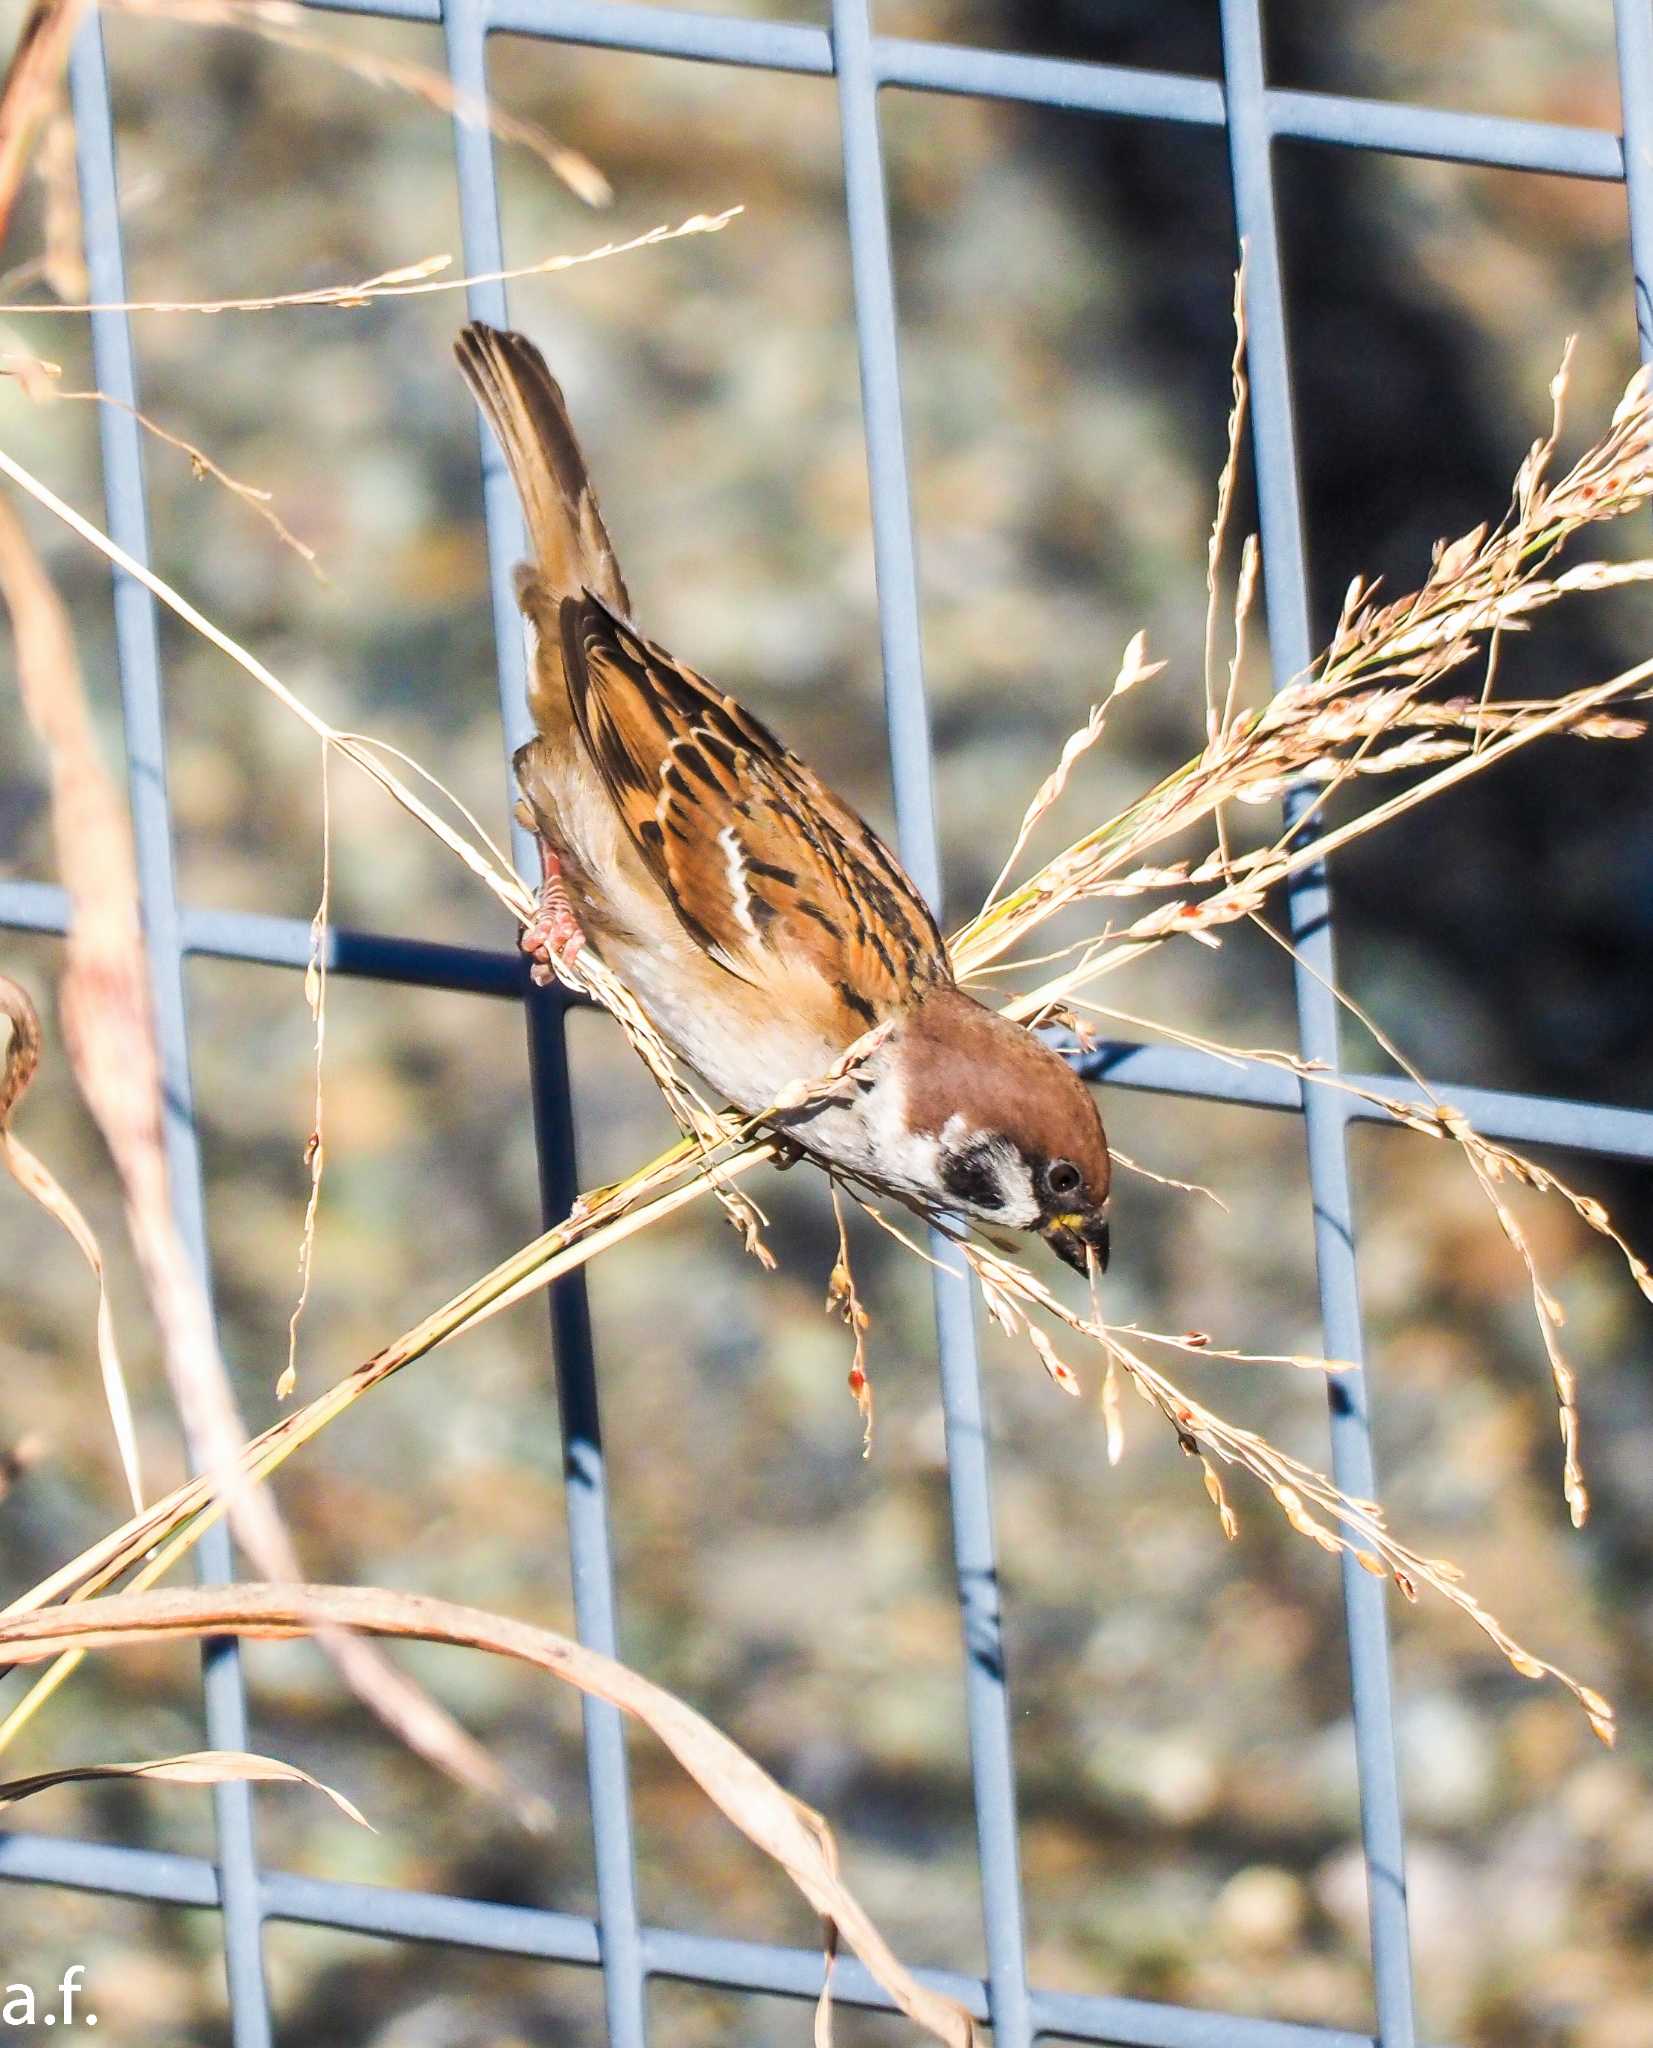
(1189, 1825)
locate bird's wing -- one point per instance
(769, 871)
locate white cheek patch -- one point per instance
(1019, 1206)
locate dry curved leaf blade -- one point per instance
(198, 1767)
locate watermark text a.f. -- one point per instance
(61, 2004)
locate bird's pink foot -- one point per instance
(554, 938)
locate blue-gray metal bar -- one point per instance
(1563, 149)
(987, 1694)
(1049, 82)
(668, 32)
(1286, 591)
(1633, 30)
(895, 563)
(1491, 139)
(144, 717)
(534, 1933)
(591, 1557)
(253, 937)
(417, 963)
(1510, 1119)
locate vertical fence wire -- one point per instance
(144, 715)
(1633, 34)
(627, 1952)
(1285, 582)
(986, 1684)
(591, 1554)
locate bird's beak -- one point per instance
(1075, 1238)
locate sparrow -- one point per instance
(764, 927)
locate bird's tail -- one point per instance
(571, 548)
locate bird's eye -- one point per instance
(1063, 1178)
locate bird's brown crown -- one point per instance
(964, 1060)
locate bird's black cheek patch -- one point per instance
(969, 1176)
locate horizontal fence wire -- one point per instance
(256, 938)
(630, 1953)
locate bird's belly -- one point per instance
(752, 1053)
(859, 1129)
(743, 1049)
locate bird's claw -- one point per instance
(553, 939)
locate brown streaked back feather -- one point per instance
(572, 550)
(768, 870)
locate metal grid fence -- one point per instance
(627, 1952)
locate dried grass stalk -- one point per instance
(33, 81)
(315, 1149)
(788, 1832)
(1311, 1502)
(38, 379)
(18, 1066)
(843, 1301)
(1362, 709)
(62, 263)
(406, 281)
(275, 21)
